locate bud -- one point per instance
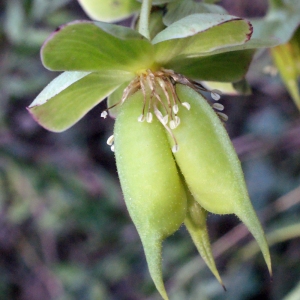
(210, 165)
(152, 189)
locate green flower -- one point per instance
(174, 157)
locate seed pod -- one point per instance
(152, 189)
(195, 223)
(210, 165)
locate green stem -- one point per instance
(144, 18)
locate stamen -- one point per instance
(215, 94)
(218, 106)
(112, 148)
(149, 117)
(165, 119)
(175, 109)
(172, 124)
(104, 114)
(186, 105)
(141, 118)
(175, 148)
(223, 116)
(110, 140)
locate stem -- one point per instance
(144, 18)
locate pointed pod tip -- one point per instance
(153, 251)
(224, 288)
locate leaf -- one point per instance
(219, 67)
(68, 98)
(280, 22)
(178, 9)
(200, 33)
(286, 59)
(84, 46)
(109, 10)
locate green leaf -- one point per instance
(286, 61)
(109, 10)
(84, 46)
(70, 96)
(224, 67)
(179, 9)
(197, 34)
(281, 21)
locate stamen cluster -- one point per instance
(160, 99)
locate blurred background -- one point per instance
(64, 229)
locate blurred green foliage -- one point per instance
(64, 229)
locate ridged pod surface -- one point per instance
(153, 192)
(210, 165)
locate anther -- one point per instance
(223, 116)
(215, 94)
(175, 109)
(141, 118)
(112, 148)
(110, 140)
(218, 106)
(149, 117)
(177, 120)
(165, 119)
(175, 148)
(172, 124)
(104, 114)
(186, 105)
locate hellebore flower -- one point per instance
(175, 160)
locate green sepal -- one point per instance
(109, 10)
(219, 67)
(114, 98)
(152, 189)
(179, 9)
(215, 178)
(71, 95)
(197, 34)
(241, 87)
(195, 223)
(87, 46)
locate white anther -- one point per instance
(149, 117)
(141, 118)
(110, 140)
(172, 124)
(175, 109)
(112, 148)
(186, 105)
(175, 148)
(218, 106)
(215, 94)
(158, 114)
(223, 116)
(165, 119)
(104, 114)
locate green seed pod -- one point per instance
(152, 189)
(195, 223)
(210, 165)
